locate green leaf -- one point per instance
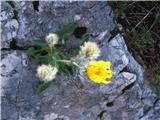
(42, 87)
(147, 37)
(38, 55)
(67, 30)
(30, 53)
(40, 42)
(136, 35)
(43, 59)
(122, 10)
(65, 68)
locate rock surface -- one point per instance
(68, 98)
(37, 22)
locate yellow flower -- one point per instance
(99, 71)
(90, 50)
(46, 72)
(52, 39)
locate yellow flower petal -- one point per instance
(99, 71)
(106, 82)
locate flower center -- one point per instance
(90, 50)
(45, 72)
(98, 71)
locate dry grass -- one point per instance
(141, 29)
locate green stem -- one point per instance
(64, 61)
(67, 61)
(74, 63)
(51, 51)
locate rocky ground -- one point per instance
(69, 98)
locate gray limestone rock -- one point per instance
(6, 11)
(9, 25)
(116, 51)
(74, 97)
(67, 98)
(49, 16)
